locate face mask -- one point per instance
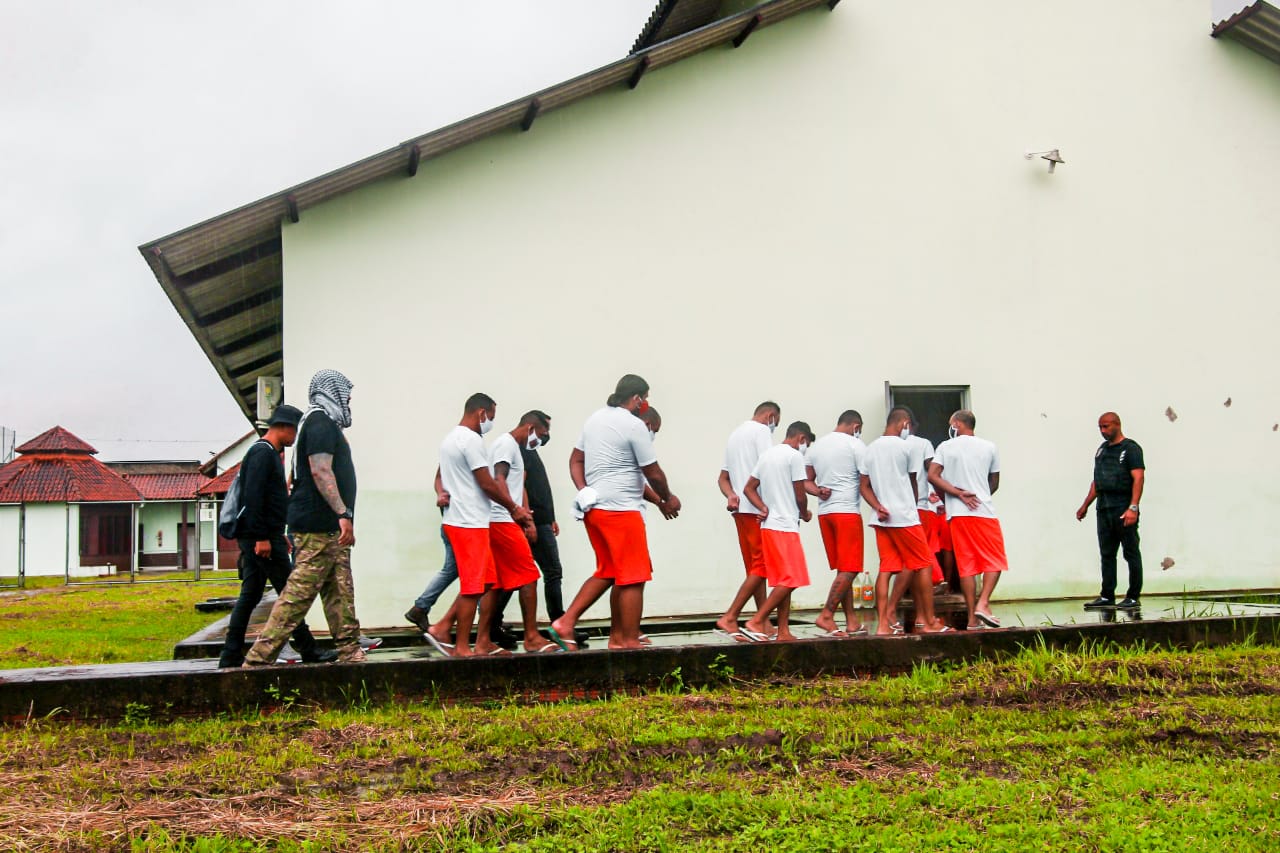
(533, 442)
(804, 445)
(773, 425)
(653, 436)
(857, 434)
(485, 425)
(906, 432)
(953, 432)
(643, 407)
(545, 440)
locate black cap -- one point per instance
(286, 415)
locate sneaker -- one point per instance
(419, 618)
(1099, 603)
(1128, 604)
(288, 655)
(369, 643)
(319, 656)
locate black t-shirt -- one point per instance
(309, 512)
(538, 488)
(1113, 465)
(264, 497)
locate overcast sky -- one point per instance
(123, 122)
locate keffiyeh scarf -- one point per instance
(330, 392)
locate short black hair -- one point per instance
(965, 417)
(769, 406)
(628, 386)
(898, 413)
(478, 400)
(799, 428)
(849, 416)
(537, 417)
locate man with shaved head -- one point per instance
(1119, 474)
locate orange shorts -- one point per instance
(476, 571)
(979, 545)
(512, 555)
(784, 559)
(842, 537)
(944, 533)
(932, 524)
(903, 549)
(748, 524)
(621, 546)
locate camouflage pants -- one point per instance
(323, 567)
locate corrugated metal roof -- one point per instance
(1256, 26)
(224, 275)
(671, 18)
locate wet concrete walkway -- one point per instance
(405, 669)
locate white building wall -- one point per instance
(842, 201)
(52, 538)
(9, 518)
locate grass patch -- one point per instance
(64, 625)
(1104, 749)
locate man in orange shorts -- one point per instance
(610, 465)
(512, 555)
(966, 470)
(465, 477)
(889, 473)
(832, 465)
(741, 453)
(777, 488)
(925, 499)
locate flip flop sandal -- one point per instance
(835, 634)
(644, 638)
(498, 652)
(443, 648)
(858, 632)
(756, 636)
(732, 635)
(561, 641)
(549, 648)
(989, 620)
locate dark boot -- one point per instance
(418, 617)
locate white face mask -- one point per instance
(804, 445)
(485, 425)
(857, 434)
(533, 442)
(773, 426)
(906, 432)
(953, 432)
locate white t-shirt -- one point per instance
(746, 444)
(779, 468)
(461, 454)
(834, 459)
(888, 461)
(966, 461)
(617, 445)
(505, 449)
(924, 447)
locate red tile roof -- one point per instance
(220, 484)
(57, 467)
(166, 487)
(56, 440)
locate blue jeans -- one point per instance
(440, 582)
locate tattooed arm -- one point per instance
(327, 485)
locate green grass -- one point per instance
(1103, 749)
(110, 623)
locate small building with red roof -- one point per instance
(68, 513)
(173, 533)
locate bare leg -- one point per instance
(465, 608)
(923, 595)
(627, 608)
(784, 617)
(968, 591)
(752, 587)
(488, 607)
(590, 593)
(760, 622)
(443, 630)
(989, 581)
(533, 641)
(948, 561)
(841, 593)
(890, 600)
(851, 620)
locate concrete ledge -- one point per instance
(185, 688)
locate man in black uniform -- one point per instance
(1118, 476)
(264, 553)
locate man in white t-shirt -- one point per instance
(465, 477)
(746, 444)
(930, 521)
(778, 488)
(611, 465)
(966, 470)
(889, 486)
(832, 464)
(512, 555)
